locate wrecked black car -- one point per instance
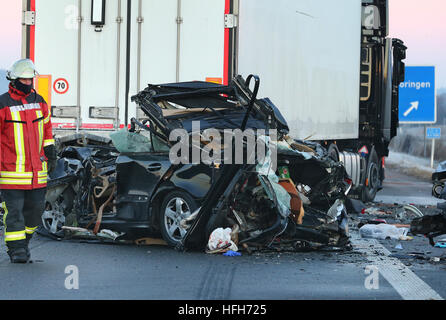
(145, 181)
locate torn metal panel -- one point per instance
(431, 226)
(256, 202)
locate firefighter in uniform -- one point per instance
(27, 153)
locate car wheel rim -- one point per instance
(53, 220)
(176, 210)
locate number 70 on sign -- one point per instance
(60, 86)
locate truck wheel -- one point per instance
(333, 152)
(176, 206)
(373, 181)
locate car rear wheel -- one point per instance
(176, 206)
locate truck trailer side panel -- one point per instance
(139, 42)
(89, 60)
(56, 46)
(307, 54)
(202, 40)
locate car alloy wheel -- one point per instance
(176, 207)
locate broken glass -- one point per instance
(125, 141)
(265, 168)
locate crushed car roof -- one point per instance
(228, 106)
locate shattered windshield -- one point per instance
(126, 141)
(143, 141)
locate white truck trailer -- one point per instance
(329, 66)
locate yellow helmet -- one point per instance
(23, 68)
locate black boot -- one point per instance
(28, 252)
(17, 251)
(18, 255)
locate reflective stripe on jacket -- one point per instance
(25, 128)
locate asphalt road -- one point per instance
(417, 254)
(89, 271)
(131, 272)
(401, 188)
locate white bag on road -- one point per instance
(221, 237)
(383, 231)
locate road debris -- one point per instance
(150, 241)
(434, 225)
(220, 238)
(76, 232)
(407, 211)
(384, 231)
(441, 243)
(231, 253)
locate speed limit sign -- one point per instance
(60, 85)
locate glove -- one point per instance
(50, 153)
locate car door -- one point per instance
(138, 175)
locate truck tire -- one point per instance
(176, 206)
(373, 180)
(333, 152)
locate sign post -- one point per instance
(433, 133)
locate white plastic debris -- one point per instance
(82, 232)
(109, 234)
(408, 211)
(220, 238)
(383, 231)
(374, 211)
(336, 209)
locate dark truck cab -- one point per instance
(382, 71)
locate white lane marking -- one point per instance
(408, 285)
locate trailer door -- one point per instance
(81, 44)
(99, 56)
(53, 47)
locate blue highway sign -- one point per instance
(417, 96)
(433, 133)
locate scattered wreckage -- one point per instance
(127, 187)
(433, 226)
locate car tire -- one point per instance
(176, 206)
(373, 178)
(55, 214)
